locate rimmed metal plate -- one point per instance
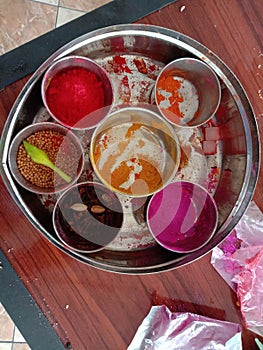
(133, 55)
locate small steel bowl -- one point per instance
(135, 151)
(87, 217)
(69, 139)
(75, 96)
(182, 217)
(191, 95)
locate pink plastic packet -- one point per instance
(239, 260)
(250, 293)
(166, 330)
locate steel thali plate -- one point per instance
(133, 55)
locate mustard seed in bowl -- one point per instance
(59, 150)
(62, 148)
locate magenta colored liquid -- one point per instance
(182, 216)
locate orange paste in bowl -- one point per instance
(148, 175)
(129, 158)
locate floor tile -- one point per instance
(10, 334)
(18, 336)
(66, 15)
(20, 346)
(83, 5)
(32, 19)
(50, 2)
(6, 326)
(5, 346)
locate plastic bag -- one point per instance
(166, 330)
(239, 260)
(250, 293)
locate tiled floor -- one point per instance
(36, 17)
(32, 19)
(10, 337)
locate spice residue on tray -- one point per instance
(130, 158)
(133, 76)
(177, 98)
(60, 150)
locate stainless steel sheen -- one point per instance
(237, 157)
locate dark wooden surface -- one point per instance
(97, 310)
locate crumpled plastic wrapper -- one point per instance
(239, 260)
(166, 330)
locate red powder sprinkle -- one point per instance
(152, 67)
(124, 90)
(141, 65)
(120, 65)
(120, 60)
(73, 93)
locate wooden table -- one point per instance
(96, 310)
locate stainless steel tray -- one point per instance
(133, 55)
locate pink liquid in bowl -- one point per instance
(182, 217)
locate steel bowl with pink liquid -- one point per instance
(182, 217)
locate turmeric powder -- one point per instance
(148, 176)
(170, 85)
(129, 163)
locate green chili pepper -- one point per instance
(40, 157)
(259, 344)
